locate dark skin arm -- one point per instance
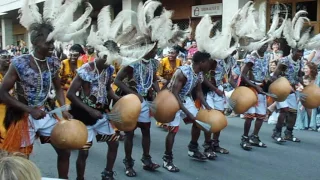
(212, 87)
(60, 95)
(201, 96)
(245, 78)
(178, 84)
(155, 84)
(76, 84)
(111, 93)
(122, 74)
(7, 84)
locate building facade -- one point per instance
(185, 12)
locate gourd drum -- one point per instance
(125, 113)
(243, 98)
(216, 119)
(165, 107)
(69, 134)
(312, 99)
(281, 88)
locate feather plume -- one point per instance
(256, 45)
(297, 15)
(66, 14)
(29, 14)
(80, 21)
(161, 29)
(104, 22)
(93, 39)
(262, 15)
(202, 34)
(304, 38)
(298, 27)
(149, 8)
(275, 21)
(51, 9)
(121, 19)
(127, 35)
(70, 36)
(288, 34)
(142, 22)
(136, 51)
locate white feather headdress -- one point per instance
(136, 40)
(293, 29)
(59, 15)
(250, 24)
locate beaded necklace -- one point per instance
(143, 70)
(40, 82)
(102, 81)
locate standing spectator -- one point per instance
(89, 56)
(275, 53)
(24, 49)
(193, 49)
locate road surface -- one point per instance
(290, 161)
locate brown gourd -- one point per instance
(281, 88)
(165, 107)
(69, 134)
(216, 119)
(312, 99)
(125, 113)
(244, 98)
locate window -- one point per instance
(310, 7)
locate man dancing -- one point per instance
(34, 74)
(184, 80)
(253, 75)
(94, 79)
(144, 74)
(289, 67)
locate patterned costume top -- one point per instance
(260, 66)
(35, 89)
(98, 82)
(293, 68)
(165, 70)
(143, 75)
(192, 80)
(220, 72)
(66, 73)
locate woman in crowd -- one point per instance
(304, 115)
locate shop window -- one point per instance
(310, 7)
(282, 10)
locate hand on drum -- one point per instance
(219, 92)
(190, 119)
(140, 98)
(96, 114)
(37, 113)
(66, 115)
(259, 89)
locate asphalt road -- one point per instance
(290, 161)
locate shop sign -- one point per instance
(210, 9)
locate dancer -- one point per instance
(94, 79)
(144, 74)
(290, 66)
(34, 75)
(185, 79)
(257, 65)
